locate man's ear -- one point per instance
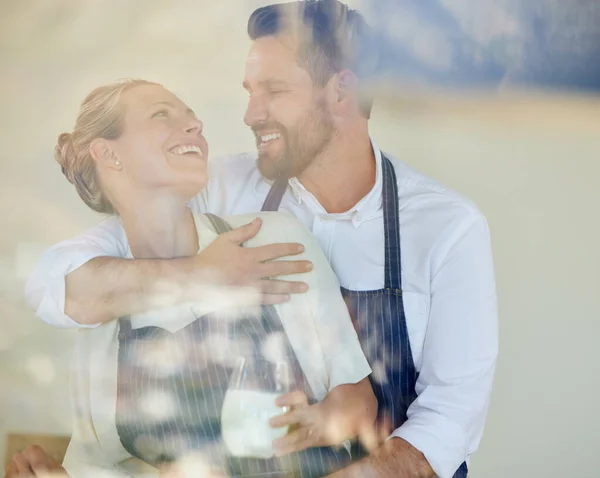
(346, 85)
(342, 89)
(103, 154)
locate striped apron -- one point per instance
(171, 388)
(379, 318)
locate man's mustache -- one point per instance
(263, 128)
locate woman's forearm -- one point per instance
(349, 410)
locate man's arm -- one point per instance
(396, 458)
(445, 423)
(446, 420)
(81, 282)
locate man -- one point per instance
(413, 258)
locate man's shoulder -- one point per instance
(439, 210)
(417, 189)
(277, 226)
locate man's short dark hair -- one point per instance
(331, 37)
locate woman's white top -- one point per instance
(317, 324)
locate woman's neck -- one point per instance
(159, 228)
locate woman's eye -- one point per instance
(161, 113)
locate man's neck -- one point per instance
(343, 174)
(159, 228)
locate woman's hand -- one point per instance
(372, 437)
(348, 411)
(307, 424)
(34, 462)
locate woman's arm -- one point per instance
(349, 410)
(95, 448)
(319, 317)
(349, 407)
(33, 461)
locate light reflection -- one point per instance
(159, 405)
(164, 356)
(41, 368)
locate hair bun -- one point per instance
(64, 154)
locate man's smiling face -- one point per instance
(288, 114)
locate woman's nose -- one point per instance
(194, 126)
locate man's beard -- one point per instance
(302, 144)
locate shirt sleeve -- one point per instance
(345, 361)
(318, 321)
(344, 358)
(446, 420)
(85, 456)
(45, 287)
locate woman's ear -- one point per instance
(103, 154)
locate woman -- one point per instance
(150, 388)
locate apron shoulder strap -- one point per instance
(391, 222)
(273, 199)
(124, 327)
(219, 225)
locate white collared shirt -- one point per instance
(447, 276)
(317, 325)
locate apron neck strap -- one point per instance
(391, 226)
(273, 199)
(391, 223)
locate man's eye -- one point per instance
(161, 113)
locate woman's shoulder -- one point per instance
(275, 224)
(277, 227)
(281, 217)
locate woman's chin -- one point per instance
(193, 186)
(182, 184)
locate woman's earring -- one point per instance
(117, 163)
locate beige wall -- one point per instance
(530, 162)
(533, 167)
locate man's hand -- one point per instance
(396, 458)
(225, 272)
(232, 265)
(34, 462)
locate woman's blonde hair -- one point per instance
(100, 116)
